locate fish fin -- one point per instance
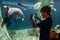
(22, 19)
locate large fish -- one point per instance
(13, 13)
(16, 12)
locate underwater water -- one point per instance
(23, 30)
(19, 30)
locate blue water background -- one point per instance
(18, 24)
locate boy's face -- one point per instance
(44, 14)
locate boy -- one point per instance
(44, 25)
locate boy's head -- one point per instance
(45, 11)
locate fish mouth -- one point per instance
(5, 6)
(18, 18)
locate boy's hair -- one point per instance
(45, 9)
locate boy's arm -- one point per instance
(37, 17)
(32, 22)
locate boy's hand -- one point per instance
(31, 15)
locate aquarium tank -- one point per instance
(23, 30)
